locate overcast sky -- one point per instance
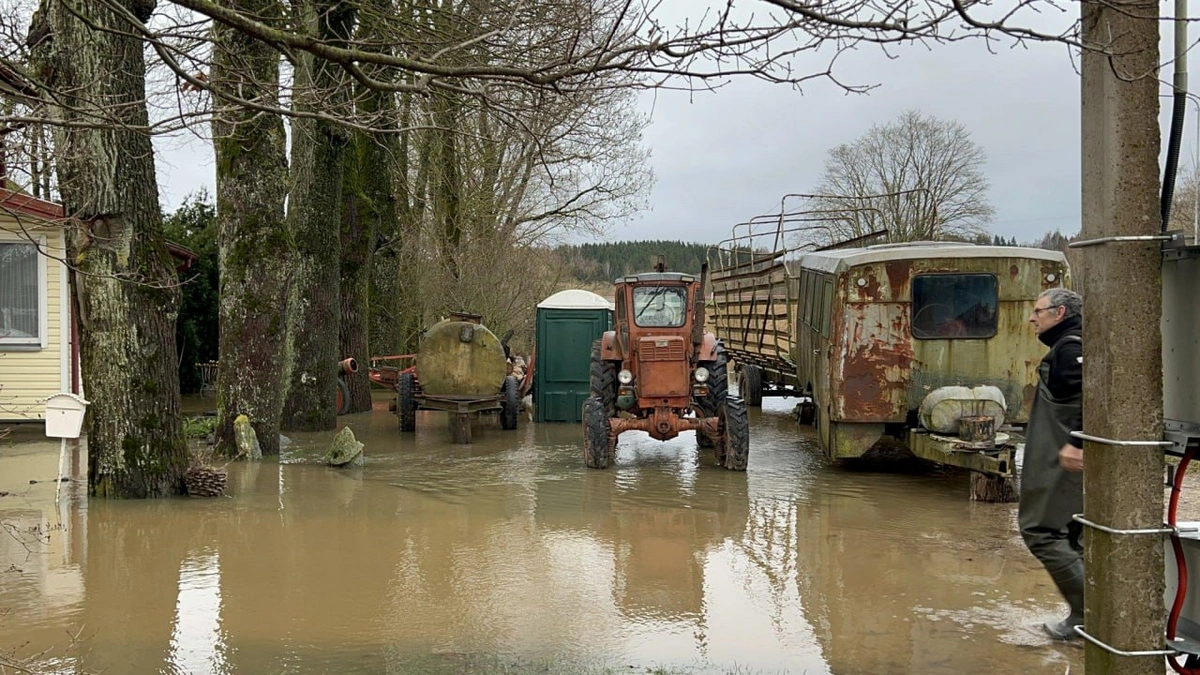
(722, 157)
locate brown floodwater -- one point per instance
(508, 556)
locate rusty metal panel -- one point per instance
(872, 362)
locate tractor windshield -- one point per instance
(660, 306)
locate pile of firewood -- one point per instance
(205, 481)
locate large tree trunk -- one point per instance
(369, 210)
(124, 280)
(256, 247)
(315, 213)
(358, 233)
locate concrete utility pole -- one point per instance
(1122, 367)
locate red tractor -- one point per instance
(658, 371)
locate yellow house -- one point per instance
(36, 355)
(39, 353)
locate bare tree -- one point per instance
(930, 170)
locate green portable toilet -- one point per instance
(568, 322)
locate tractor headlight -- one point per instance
(625, 377)
(701, 374)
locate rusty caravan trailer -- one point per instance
(890, 345)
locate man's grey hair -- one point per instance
(1061, 297)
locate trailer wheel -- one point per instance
(343, 397)
(604, 381)
(718, 384)
(737, 435)
(510, 403)
(597, 445)
(406, 402)
(750, 385)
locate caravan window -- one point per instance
(954, 306)
(827, 304)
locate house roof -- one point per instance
(13, 200)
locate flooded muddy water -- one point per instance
(508, 556)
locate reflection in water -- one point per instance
(508, 556)
(197, 645)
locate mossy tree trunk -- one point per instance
(365, 196)
(315, 215)
(256, 247)
(369, 211)
(125, 286)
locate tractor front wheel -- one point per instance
(598, 447)
(737, 435)
(603, 380)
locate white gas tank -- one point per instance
(943, 407)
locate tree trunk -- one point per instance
(315, 213)
(125, 284)
(256, 248)
(369, 210)
(357, 233)
(359, 219)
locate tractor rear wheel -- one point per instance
(750, 385)
(597, 445)
(737, 435)
(604, 380)
(406, 402)
(510, 403)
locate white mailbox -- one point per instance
(64, 415)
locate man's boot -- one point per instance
(1070, 584)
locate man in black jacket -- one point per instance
(1051, 478)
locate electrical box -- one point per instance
(1180, 326)
(64, 415)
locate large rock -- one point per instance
(346, 449)
(247, 440)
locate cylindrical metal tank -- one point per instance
(460, 357)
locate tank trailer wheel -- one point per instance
(737, 435)
(406, 403)
(750, 385)
(598, 447)
(603, 379)
(510, 403)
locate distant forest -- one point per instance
(602, 263)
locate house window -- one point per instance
(22, 295)
(949, 306)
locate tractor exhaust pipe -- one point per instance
(698, 310)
